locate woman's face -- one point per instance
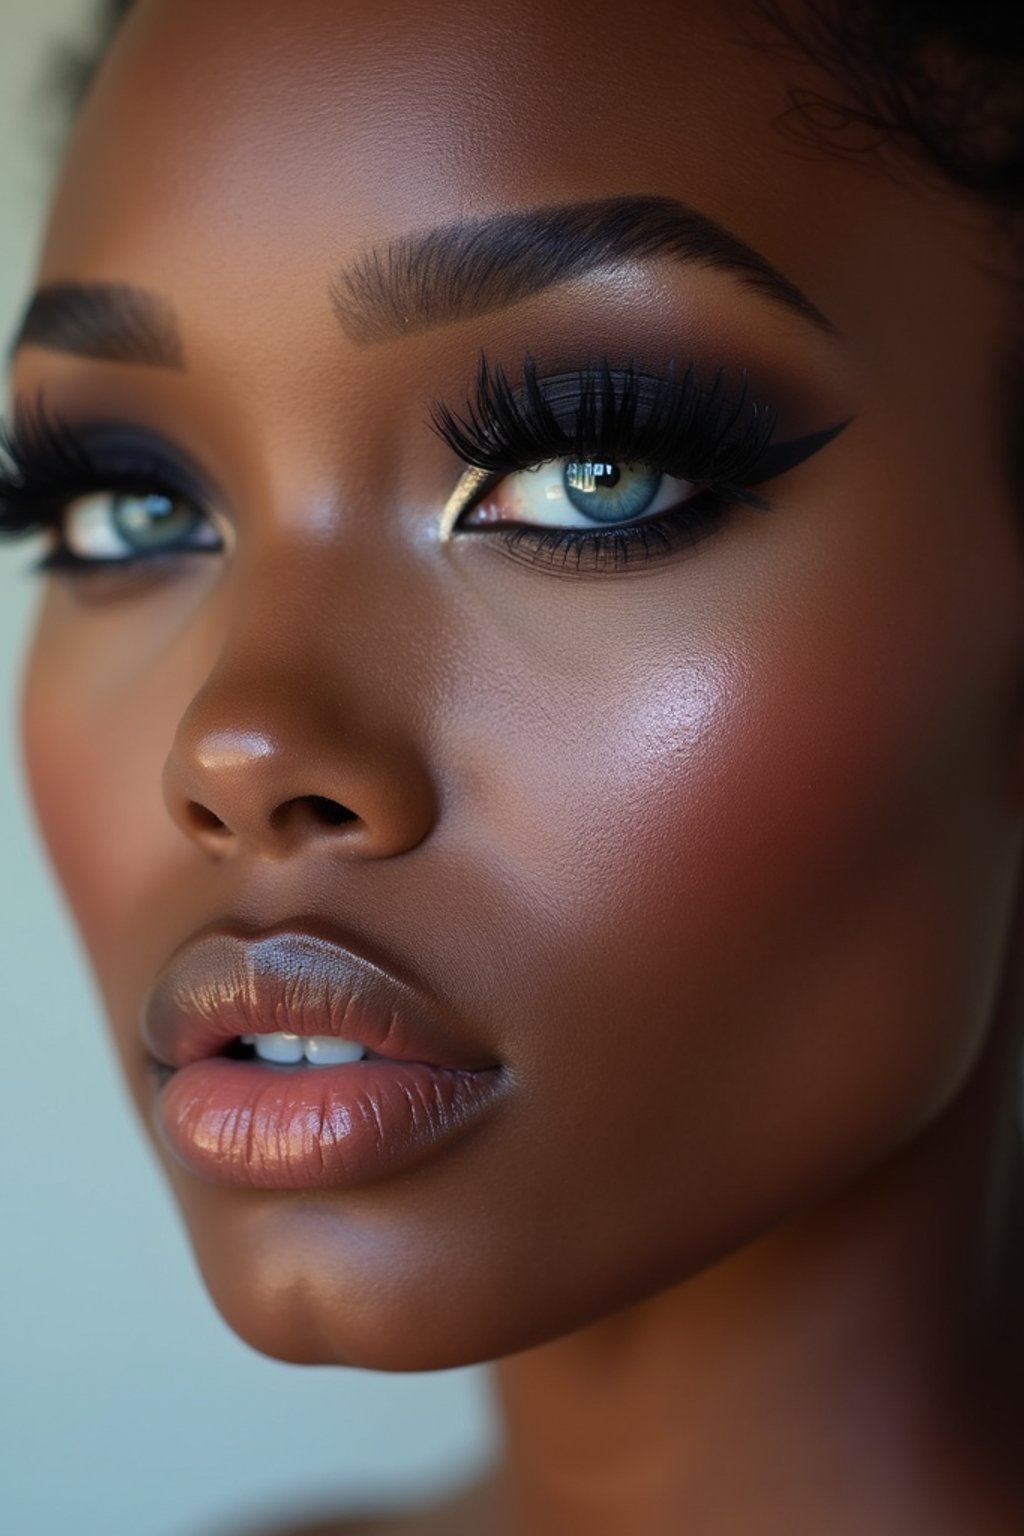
(697, 841)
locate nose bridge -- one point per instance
(291, 735)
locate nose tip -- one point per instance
(235, 789)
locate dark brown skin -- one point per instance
(719, 857)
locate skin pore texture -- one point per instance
(717, 855)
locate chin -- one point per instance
(324, 1326)
(365, 1282)
(303, 1278)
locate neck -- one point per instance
(851, 1372)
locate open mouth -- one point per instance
(371, 1079)
(283, 1049)
(226, 995)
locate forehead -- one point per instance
(326, 122)
(232, 156)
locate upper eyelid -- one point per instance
(104, 447)
(601, 408)
(45, 449)
(155, 462)
(789, 454)
(581, 389)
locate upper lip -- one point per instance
(224, 984)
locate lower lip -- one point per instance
(265, 1127)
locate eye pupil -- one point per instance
(588, 475)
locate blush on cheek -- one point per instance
(856, 852)
(799, 854)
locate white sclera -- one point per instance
(91, 528)
(538, 497)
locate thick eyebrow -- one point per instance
(450, 273)
(114, 322)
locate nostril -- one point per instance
(317, 808)
(204, 820)
(329, 811)
(312, 810)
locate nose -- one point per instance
(269, 761)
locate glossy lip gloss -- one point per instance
(265, 1126)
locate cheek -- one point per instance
(96, 729)
(768, 878)
(95, 786)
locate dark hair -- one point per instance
(942, 79)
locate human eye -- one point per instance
(572, 493)
(106, 499)
(598, 469)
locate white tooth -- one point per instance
(280, 1047)
(329, 1051)
(247, 1039)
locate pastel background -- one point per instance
(127, 1408)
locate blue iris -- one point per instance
(152, 521)
(609, 493)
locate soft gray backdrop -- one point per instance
(126, 1407)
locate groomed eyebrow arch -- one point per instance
(435, 277)
(114, 322)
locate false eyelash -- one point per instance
(48, 464)
(677, 425)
